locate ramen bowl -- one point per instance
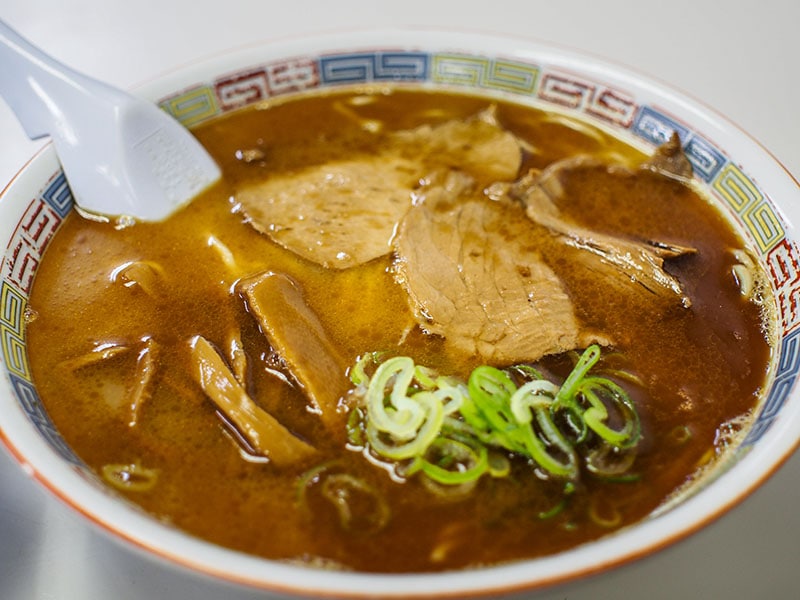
(761, 200)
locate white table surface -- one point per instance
(739, 57)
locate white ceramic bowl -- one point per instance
(758, 195)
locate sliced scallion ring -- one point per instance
(454, 431)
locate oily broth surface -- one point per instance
(701, 367)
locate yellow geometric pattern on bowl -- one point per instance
(474, 71)
(12, 317)
(749, 203)
(192, 106)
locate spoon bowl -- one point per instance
(122, 155)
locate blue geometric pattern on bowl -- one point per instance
(373, 66)
(517, 80)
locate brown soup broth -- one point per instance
(700, 367)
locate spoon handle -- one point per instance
(35, 85)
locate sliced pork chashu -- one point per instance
(478, 146)
(344, 213)
(620, 260)
(473, 275)
(670, 160)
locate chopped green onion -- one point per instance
(131, 477)
(499, 465)
(569, 489)
(401, 416)
(526, 372)
(425, 376)
(490, 390)
(566, 395)
(626, 478)
(452, 462)
(552, 512)
(452, 432)
(355, 427)
(594, 389)
(310, 477)
(607, 461)
(537, 396)
(359, 506)
(423, 437)
(358, 374)
(606, 516)
(681, 434)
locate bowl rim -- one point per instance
(143, 533)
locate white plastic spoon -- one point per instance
(122, 156)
